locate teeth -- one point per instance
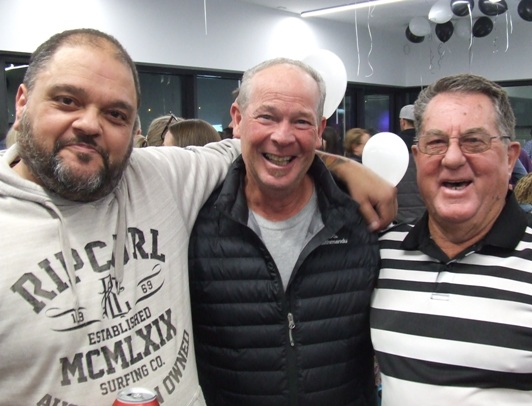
(277, 160)
(456, 186)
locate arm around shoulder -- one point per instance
(377, 197)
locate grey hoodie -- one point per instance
(94, 296)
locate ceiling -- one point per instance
(390, 17)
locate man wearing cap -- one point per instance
(411, 207)
(406, 123)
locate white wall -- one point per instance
(238, 35)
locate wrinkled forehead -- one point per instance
(285, 82)
(452, 110)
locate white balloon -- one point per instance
(387, 155)
(419, 26)
(332, 70)
(463, 28)
(441, 12)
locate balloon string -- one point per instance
(358, 46)
(431, 58)
(441, 53)
(470, 38)
(205, 14)
(508, 23)
(370, 11)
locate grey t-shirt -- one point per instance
(285, 239)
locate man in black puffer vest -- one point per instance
(282, 265)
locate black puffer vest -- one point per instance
(258, 345)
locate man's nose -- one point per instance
(88, 122)
(283, 133)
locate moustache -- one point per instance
(81, 139)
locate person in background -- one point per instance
(354, 141)
(411, 206)
(528, 146)
(159, 128)
(450, 315)
(191, 132)
(281, 264)
(406, 125)
(523, 192)
(525, 160)
(518, 171)
(95, 233)
(331, 141)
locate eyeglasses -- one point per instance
(165, 129)
(435, 144)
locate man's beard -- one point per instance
(55, 174)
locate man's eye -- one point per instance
(437, 141)
(67, 101)
(118, 115)
(265, 117)
(473, 139)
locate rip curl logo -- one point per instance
(110, 303)
(39, 287)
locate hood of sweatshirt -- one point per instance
(13, 185)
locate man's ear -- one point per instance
(514, 149)
(21, 100)
(236, 116)
(319, 138)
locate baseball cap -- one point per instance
(407, 112)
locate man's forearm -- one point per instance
(376, 196)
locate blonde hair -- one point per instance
(156, 128)
(353, 139)
(523, 189)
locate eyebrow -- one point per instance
(469, 131)
(309, 115)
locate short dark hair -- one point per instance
(470, 84)
(81, 36)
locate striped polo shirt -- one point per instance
(456, 331)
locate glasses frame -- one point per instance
(165, 129)
(502, 137)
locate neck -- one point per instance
(281, 205)
(454, 238)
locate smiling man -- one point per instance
(281, 263)
(451, 312)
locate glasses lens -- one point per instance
(469, 144)
(475, 143)
(433, 144)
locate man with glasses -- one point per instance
(451, 315)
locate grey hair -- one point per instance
(245, 87)
(468, 83)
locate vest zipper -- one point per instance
(291, 326)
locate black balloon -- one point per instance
(492, 9)
(524, 9)
(482, 27)
(413, 38)
(444, 31)
(461, 7)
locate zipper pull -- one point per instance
(291, 326)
